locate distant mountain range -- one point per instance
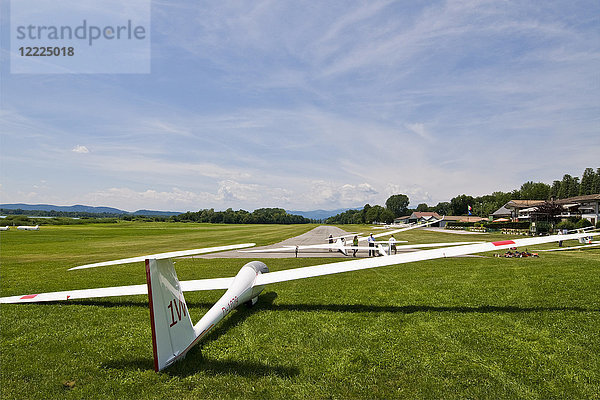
(320, 214)
(86, 209)
(315, 214)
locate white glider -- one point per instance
(585, 246)
(173, 333)
(383, 248)
(340, 245)
(29, 228)
(4, 228)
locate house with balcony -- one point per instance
(587, 207)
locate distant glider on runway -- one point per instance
(29, 228)
(341, 244)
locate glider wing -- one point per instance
(355, 265)
(160, 256)
(573, 247)
(348, 246)
(408, 228)
(186, 286)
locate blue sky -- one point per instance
(307, 105)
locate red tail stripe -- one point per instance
(154, 343)
(503, 242)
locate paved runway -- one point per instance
(318, 235)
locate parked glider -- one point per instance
(4, 228)
(379, 247)
(585, 246)
(173, 334)
(341, 244)
(29, 228)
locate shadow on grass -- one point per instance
(410, 309)
(265, 302)
(195, 362)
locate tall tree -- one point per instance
(574, 187)
(596, 185)
(587, 182)
(374, 214)
(422, 207)
(386, 216)
(501, 198)
(398, 204)
(486, 205)
(535, 191)
(460, 204)
(555, 189)
(364, 212)
(442, 208)
(565, 185)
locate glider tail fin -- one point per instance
(340, 245)
(172, 329)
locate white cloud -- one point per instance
(80, 149)
(132, 200)
(228, 194)
(232, 192)
(420, 130)
(325, 194)
(415, 193)
(237, 195)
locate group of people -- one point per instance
(517, 254)
(371, 242)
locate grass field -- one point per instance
(453, 328)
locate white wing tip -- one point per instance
(159, 256)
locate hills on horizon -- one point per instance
(320, 214)
(84, 209)
(314, 214)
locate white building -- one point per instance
(587, 207)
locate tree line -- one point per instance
(258, 216)
(60, 214)
(482, 206)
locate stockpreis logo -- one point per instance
(82, 36)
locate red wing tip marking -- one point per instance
(29, 296)
(503, 242)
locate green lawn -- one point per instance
(452, 328)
